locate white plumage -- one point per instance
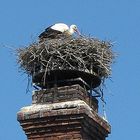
(60, 27)
(57, 29)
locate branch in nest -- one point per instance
(85, 54)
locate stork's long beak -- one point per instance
(77, 31)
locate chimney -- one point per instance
(64, 113)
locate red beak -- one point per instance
(77, 31)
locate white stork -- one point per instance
(58, 29)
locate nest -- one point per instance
(83, 54)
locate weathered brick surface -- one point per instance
(61, 94)
(65, 113)
(62, 121)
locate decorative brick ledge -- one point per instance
(65, 120)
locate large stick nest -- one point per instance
(83, 54)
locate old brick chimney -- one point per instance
(67, 112)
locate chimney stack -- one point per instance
(63, 114)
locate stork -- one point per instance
(57, 29)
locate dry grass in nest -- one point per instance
(83, 54)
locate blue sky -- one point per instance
(115, 20)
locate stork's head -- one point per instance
(73, 28)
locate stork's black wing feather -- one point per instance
(48, 27)
(49, 33)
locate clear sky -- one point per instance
(115, 20)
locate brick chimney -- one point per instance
(63, 113)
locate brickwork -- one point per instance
(67, 116)
(61, 94)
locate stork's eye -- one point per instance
(75, 27)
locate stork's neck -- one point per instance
(71, 30)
